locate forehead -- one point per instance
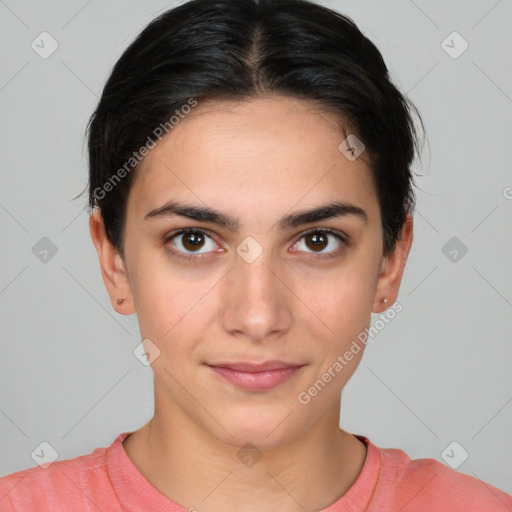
(266, 154)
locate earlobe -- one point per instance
(112, 267)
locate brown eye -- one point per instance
(191, 241)
(316, 241)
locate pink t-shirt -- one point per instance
(106, 480)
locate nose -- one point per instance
(257, 304)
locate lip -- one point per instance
(256, 376)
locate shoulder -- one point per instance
(427, 484)
(63, 482)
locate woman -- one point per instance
(252, 203)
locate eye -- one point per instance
(190, 241)
(193, 243)
(319, 239)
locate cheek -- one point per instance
(155, 295)
(343, 303)
(342, 298)
(162, 305)
(173, 306)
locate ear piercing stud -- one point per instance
(385, 301)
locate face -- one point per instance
(254, 279)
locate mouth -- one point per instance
(255, 376)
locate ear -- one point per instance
(390, 277)
(113, 267)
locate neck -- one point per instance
(310, 472)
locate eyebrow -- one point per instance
(205, 214)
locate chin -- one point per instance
(265, 429)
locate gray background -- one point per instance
(438, 373)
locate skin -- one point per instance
(257, 161)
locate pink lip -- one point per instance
(256, 376)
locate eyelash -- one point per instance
(185, 231)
